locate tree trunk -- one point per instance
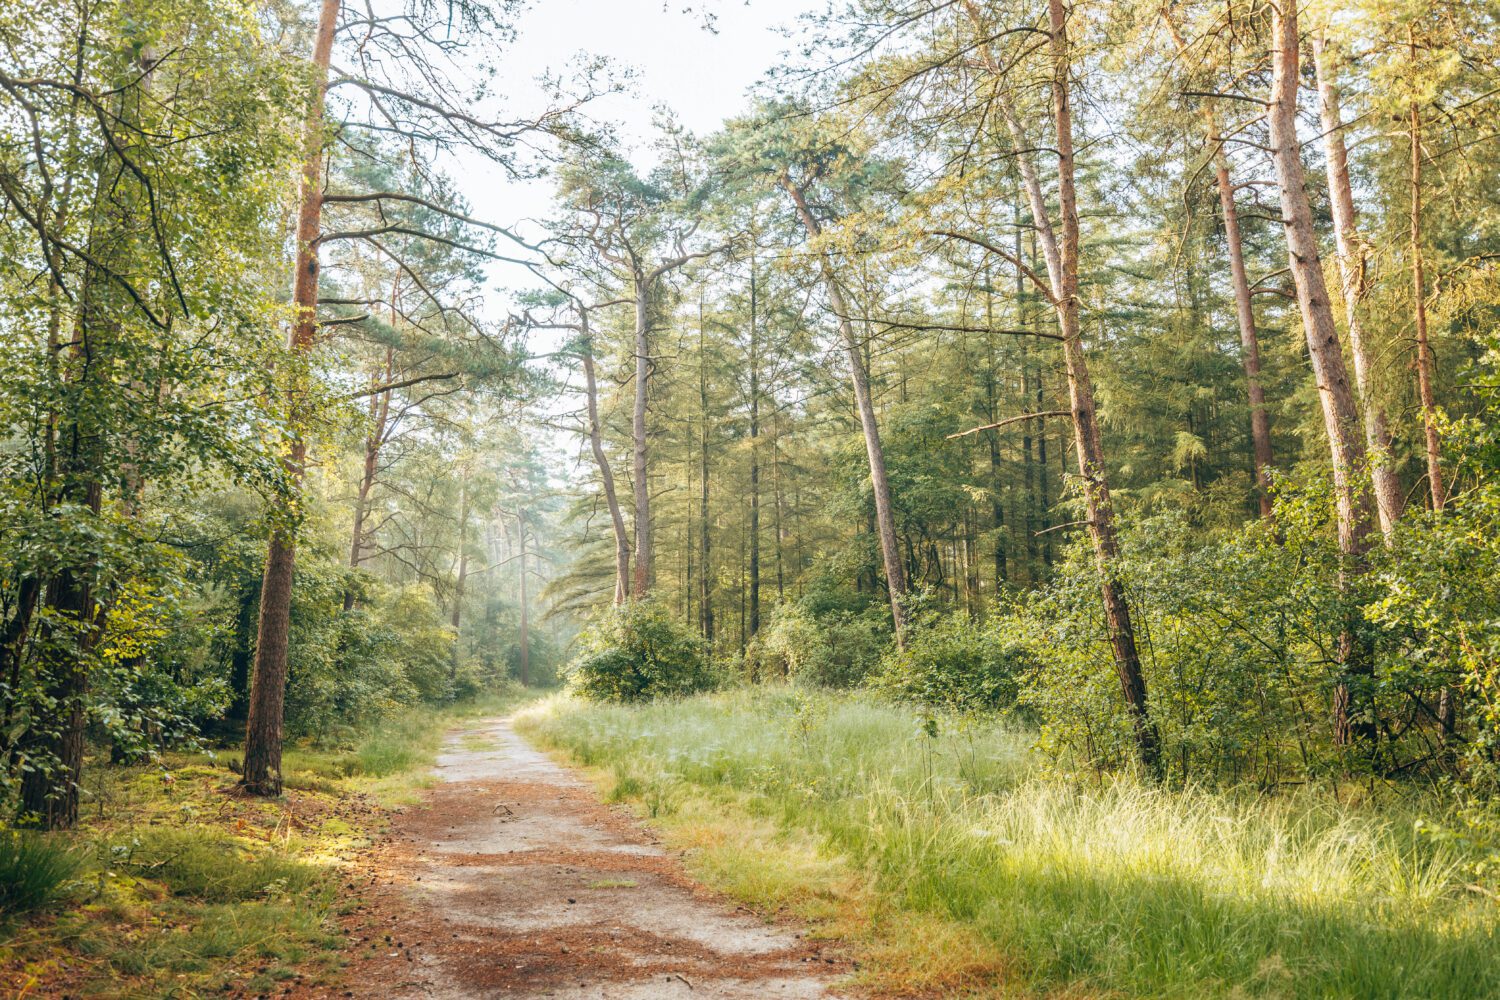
(262, 769)
(641, 584)
(525, 650)
(776, 499)
(885, 521)
(1244, 312)
(49, 796)
(606, 475)
(754, 453)
(1426, 373)
(1091, 466)
(1260, 421)
(380, 407)
(705, 575)
(456, 619)
(1340, 414)
(1389, 497)
(992, 438)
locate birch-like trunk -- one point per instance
(1341, 419)
(885, 521)
(1244, 312)
(606, 474)
(1352, 264)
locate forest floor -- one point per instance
(511, 879)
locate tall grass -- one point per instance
(1117, 887)
(35, 870)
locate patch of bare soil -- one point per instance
(510, 880)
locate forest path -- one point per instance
(511, 880)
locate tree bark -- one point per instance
(1340, 414)
(262, 765)
(641, 584)
(525, 650)
(606, 475)
(456, 619)
(380, 406)
(1244, 312)
(1091, 465)
(885, 522)
(754, 626)
(1426, 369)
(705, 575)
(1389, 497)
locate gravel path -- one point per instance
(511, 880)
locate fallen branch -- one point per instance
(1010, 420)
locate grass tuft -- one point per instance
(35, 871)
(209, 865)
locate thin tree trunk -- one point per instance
(1091, 465)
(1389, 496)
(525, 650)
(754, 452)
(895, 574)
(643, 555)
(380, 407)
(776, 495)
(262, 766)
(1426, 373)
(456, 619)
(606, 475)
(992, 439)
(1340, 414)
(705, 575)
(1244, 312)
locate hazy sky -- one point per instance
(701, 75)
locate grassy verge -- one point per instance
(177, 886)
(956, 870)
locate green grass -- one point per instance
(35, 871)
(210, 865)
(1117, 888)
(178, 886)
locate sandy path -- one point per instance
(510, 880)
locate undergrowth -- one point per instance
(962, 869)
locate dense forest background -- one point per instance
(1126, 369)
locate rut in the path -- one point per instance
(511, 881)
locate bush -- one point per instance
(638, 652)
(956, 663)
(34, 871)
(834, 648)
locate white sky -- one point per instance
(701, 75)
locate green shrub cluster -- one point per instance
(956, 663)
(826, 646)
(639, 651)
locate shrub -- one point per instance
(824, 647)
(34, 871)
(638, 652)
(956, 663)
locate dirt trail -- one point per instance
(510, 880)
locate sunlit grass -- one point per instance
(176, 885)
(1116, 887)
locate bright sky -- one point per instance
(701, 75)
